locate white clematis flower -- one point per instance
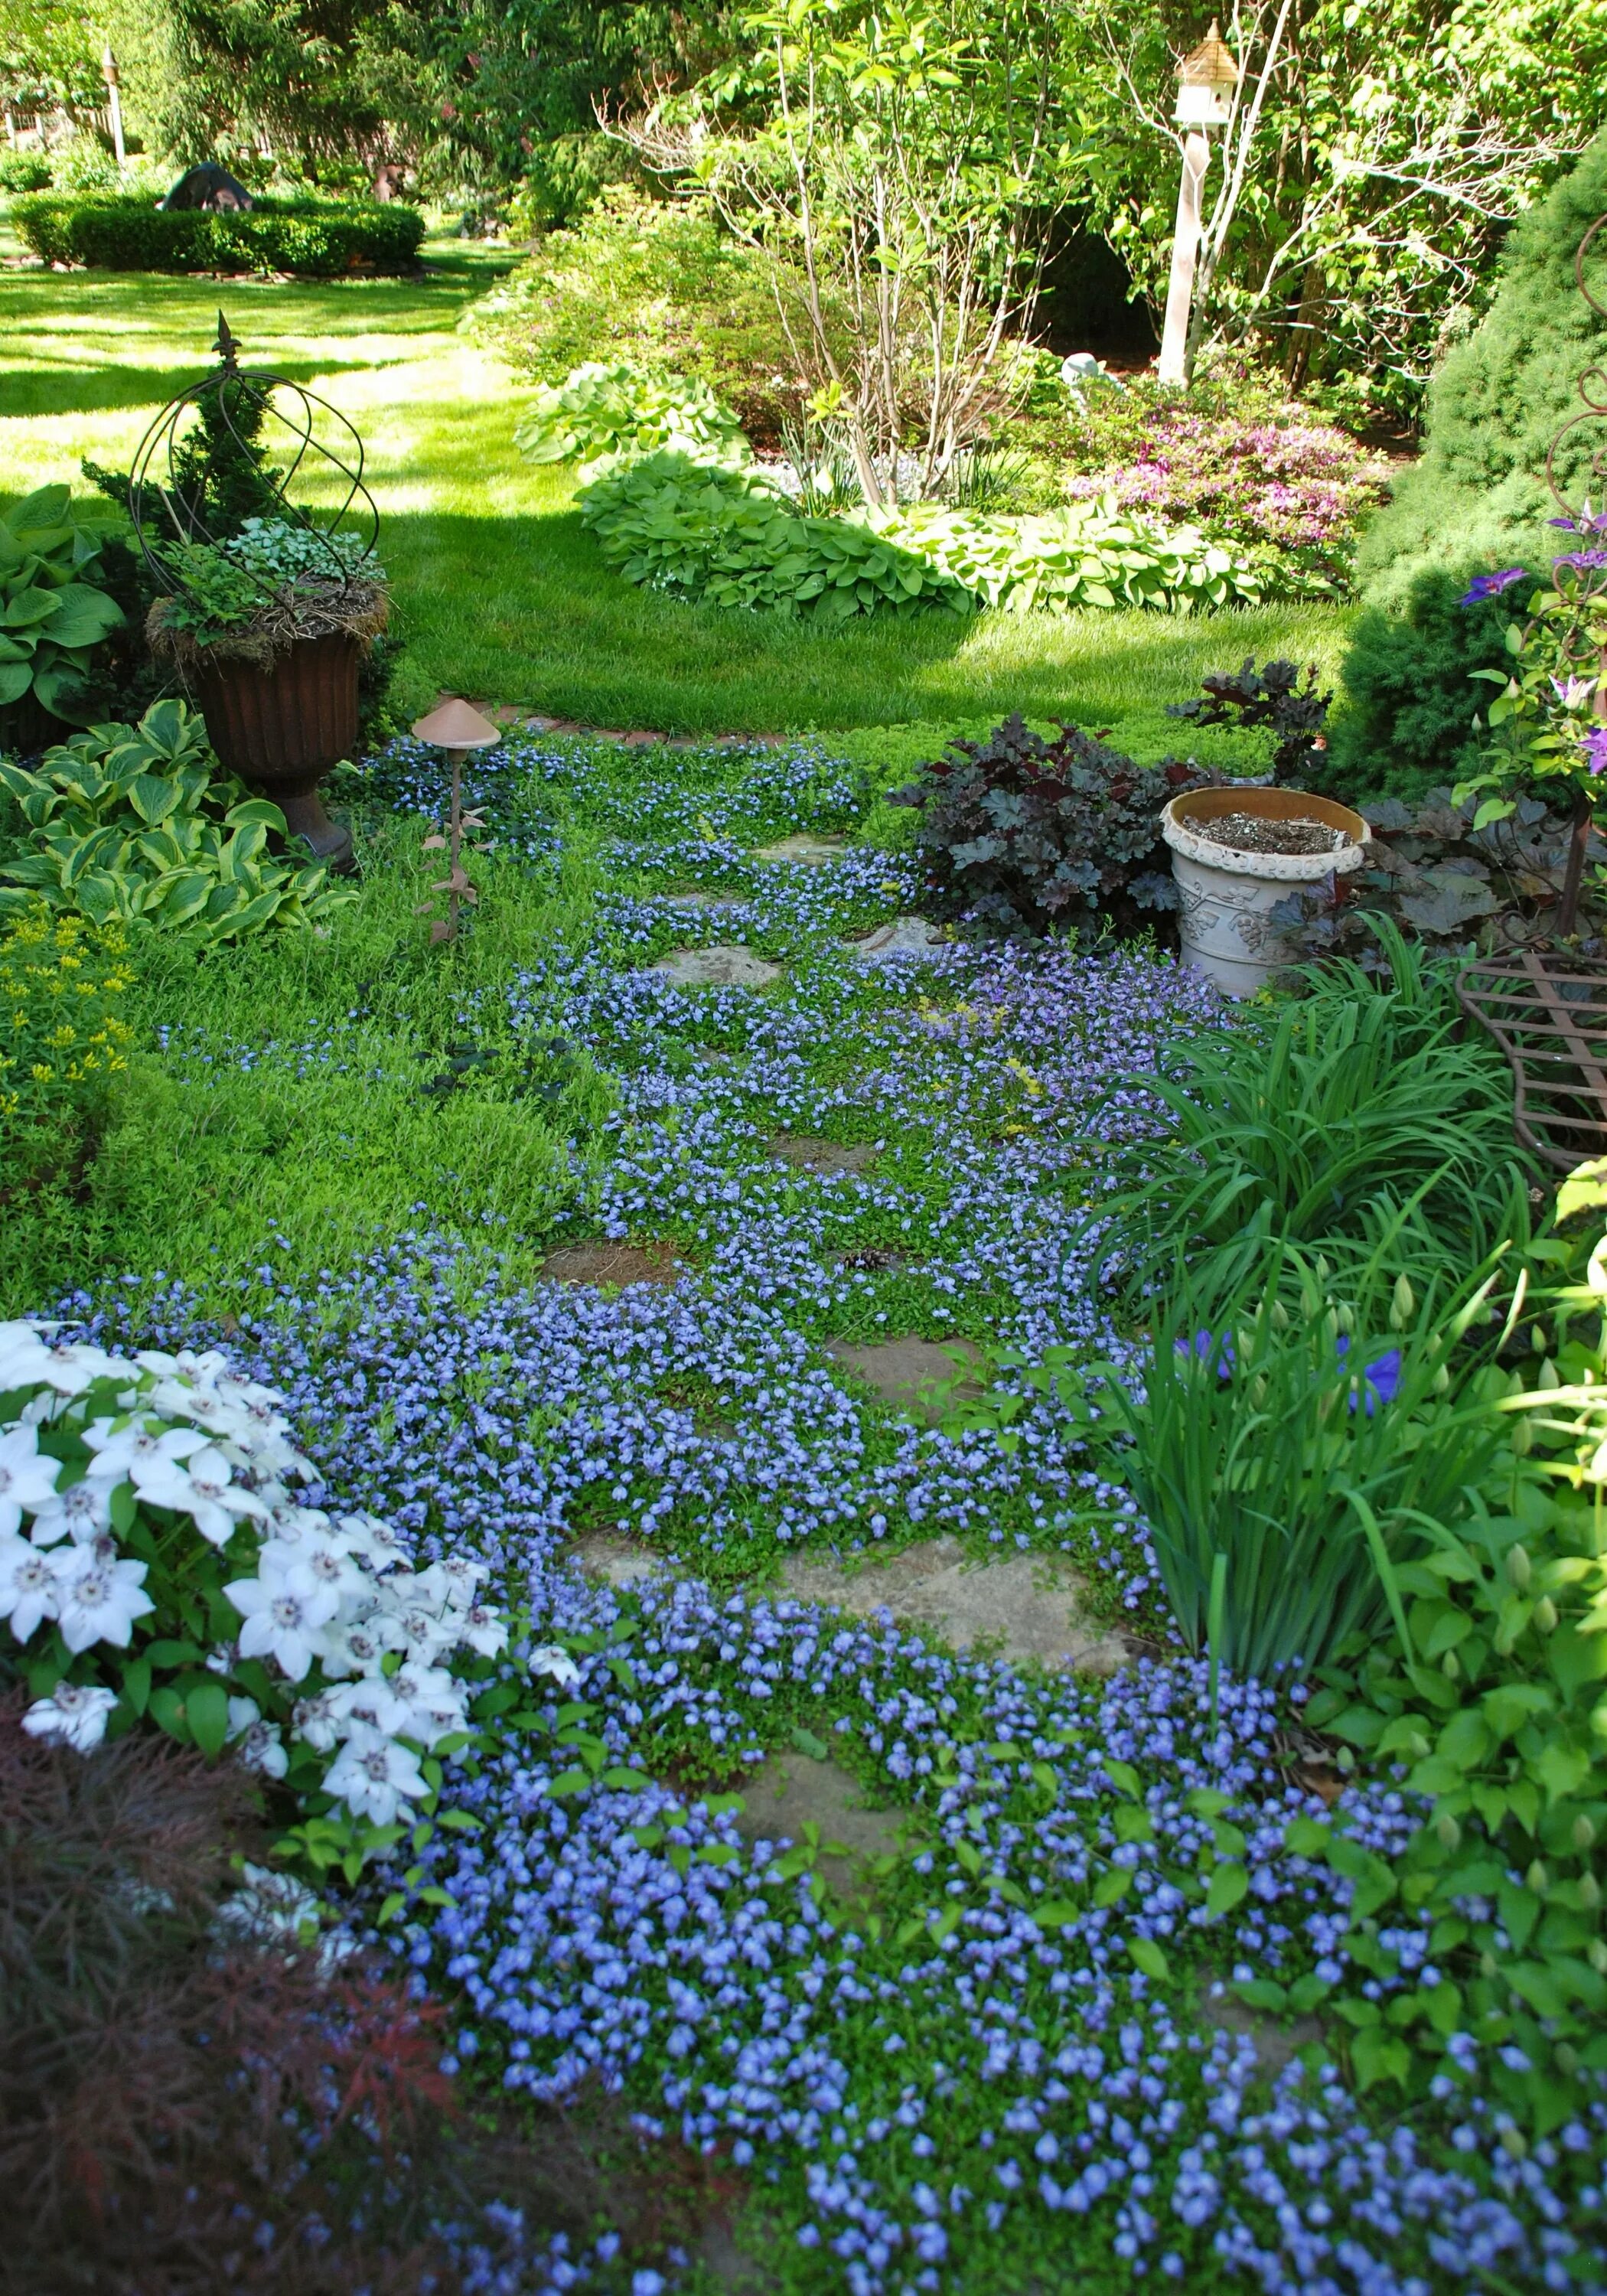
(82, 1513)
(483, 1630)
(74, 1715)
(28, 1478)
(285, 1613)
(373, 1776)
(30, 1589)
(25, 1358)
(216, 1502)
(259, 1745)
(555, 1663)
(98, 1600)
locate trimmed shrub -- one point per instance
(1478, 498)
(1027, 834)
(318, 239)
(23, 171)
(1411, 692)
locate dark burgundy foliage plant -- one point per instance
(1028, 834)
(1273, 696)
(181, 2115)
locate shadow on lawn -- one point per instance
(65, 387)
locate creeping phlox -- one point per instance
(149, 1524)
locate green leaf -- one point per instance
(1148, 1956)
(1229, 1884)
(1112, 1885)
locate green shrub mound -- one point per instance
(1478, 498)
(318, 239)
(1412, 691)
(725, 537)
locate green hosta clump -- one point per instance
(724, 538)
(52, 616)
(626, 409)
(1092, 553)
(133, 824)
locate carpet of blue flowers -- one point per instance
(1008, 2066)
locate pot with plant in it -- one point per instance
(1236, 852)
(270, 638)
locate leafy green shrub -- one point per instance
(1028, 833)
(129, 825)
(1477, 497)
(624, 408)
(52, 618)
(724, 538)
(62, 1034)
(1359, 1099)
(1411, 693)
(1286, 1424)
(659, 285)
(1271, 700)
(23, 171)
(316, 239)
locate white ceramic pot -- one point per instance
(1224, 894)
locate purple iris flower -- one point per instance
(1491, 585)
(1380, 1381)
(1204, 1345)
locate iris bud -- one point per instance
(1447, 1830)
(1583, 1830)
(1402, 1305)
(1546, 1614)
(1590, 1892)
(1537, 1879)
(1518, 1567)
(1595, 1954)
(1450, 1666)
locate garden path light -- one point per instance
(457, 727)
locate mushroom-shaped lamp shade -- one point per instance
(1206, 83)
(457, 725)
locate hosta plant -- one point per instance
(135, 824)
(622, 408)
(157, 1566)
(1092, 553)
(52, 614)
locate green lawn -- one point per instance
(500, 593)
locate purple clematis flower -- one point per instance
(1584, 524)
(1596, 749)
(1491, 585)
(1582, 561)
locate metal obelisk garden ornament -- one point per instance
(269, 605)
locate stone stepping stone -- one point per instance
(904, 936)
(725, 967)
(702, 901)
(907, 1373)
(606, 1262)
(1276, 2043)
(619, 1561)
(805, 1151)
(807, 851)
(1028, 1606)
(792, 1790)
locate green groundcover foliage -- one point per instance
(318, 239)
(1478, 498)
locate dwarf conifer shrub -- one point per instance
(1478, 498)
(1028, 834)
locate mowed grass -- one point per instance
(500, 592)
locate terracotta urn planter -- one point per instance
(281, 725)
(1226, 890)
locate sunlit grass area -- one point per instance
(500, 593)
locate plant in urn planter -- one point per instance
(266, 616)
(1237, 852)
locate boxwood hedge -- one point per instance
(319, 239)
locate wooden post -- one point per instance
(1173, 365)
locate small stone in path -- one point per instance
(809, 852)
(726, 967)
(909, 1372)
(702, 901)
(1027, 1607)
(606, 1262)
(1275, 2043)
(904, 936)
(791, 1790)
(618, 1561)
(808, 1153)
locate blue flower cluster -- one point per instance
(1023, 2036)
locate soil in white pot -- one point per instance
(1255, 833)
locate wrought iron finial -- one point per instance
(227, 346)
